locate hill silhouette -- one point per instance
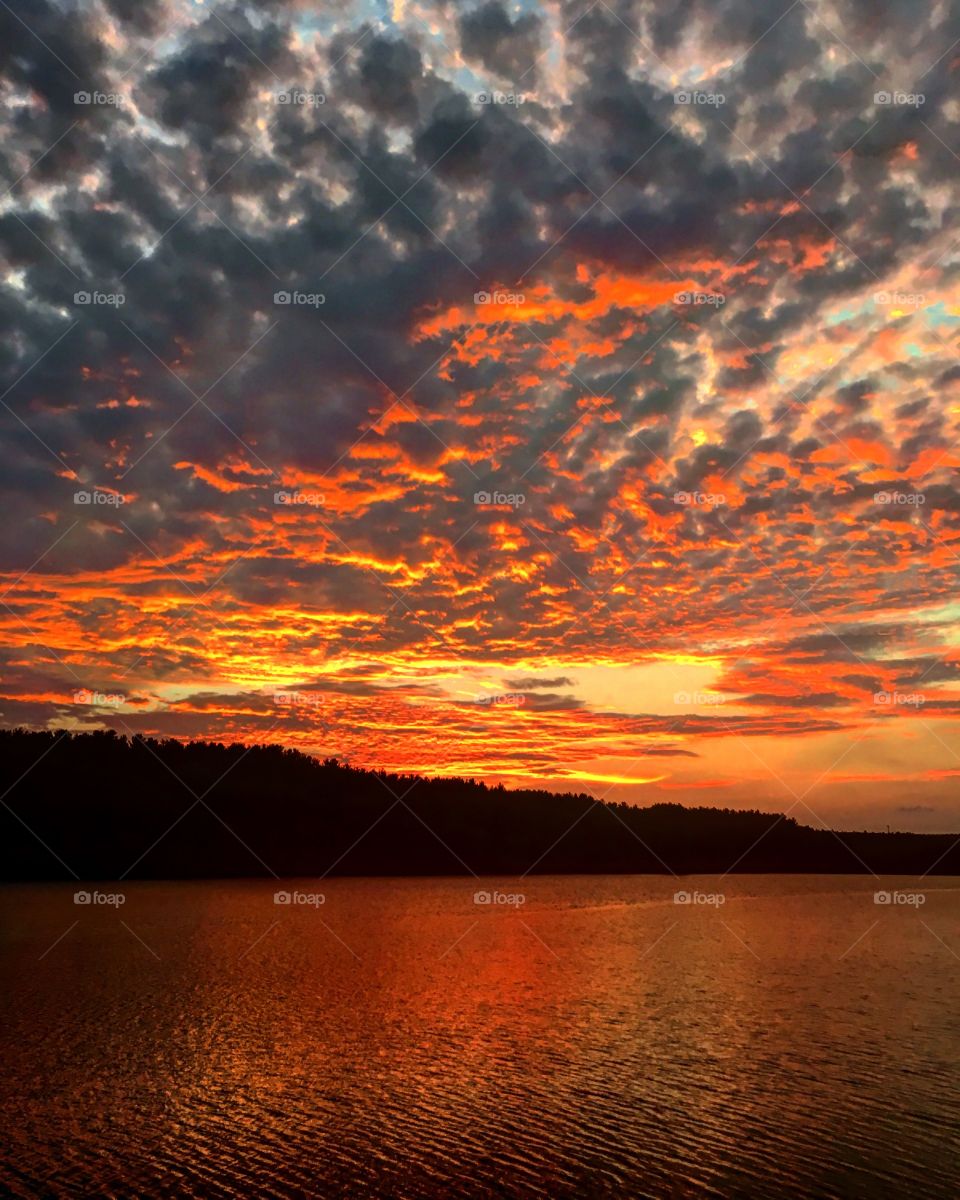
(101, 806)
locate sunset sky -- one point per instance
(608, 441)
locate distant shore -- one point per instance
(98, 806)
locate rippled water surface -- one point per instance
(401, 1040)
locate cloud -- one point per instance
(527, 683)
(509, 48)
(704, 353)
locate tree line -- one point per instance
(102, 806)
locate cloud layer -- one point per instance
(545, 392)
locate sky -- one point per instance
(558, 395)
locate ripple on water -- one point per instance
(601, 1041)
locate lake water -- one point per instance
(400, 1040)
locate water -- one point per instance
(401, 1041)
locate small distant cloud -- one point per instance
(528, 684)
(551, 701)
(814, 700)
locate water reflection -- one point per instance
(399, 1039)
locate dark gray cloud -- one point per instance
(509, 48)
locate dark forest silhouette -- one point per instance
(107, 807)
